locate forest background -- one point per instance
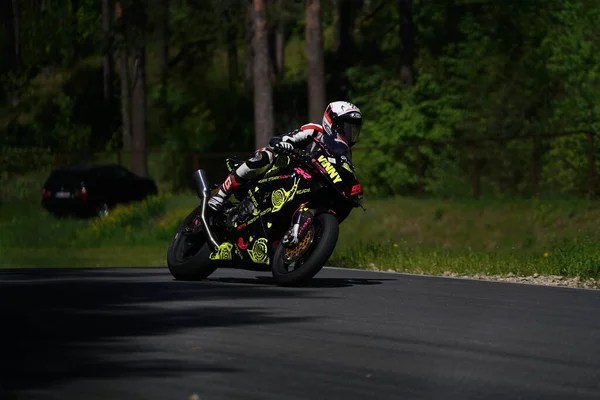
(495, 100)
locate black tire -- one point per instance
(327, 230)
(197, 266)
(101, 210)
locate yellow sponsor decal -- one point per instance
(259, 252)
(224, 252)
(330, 169)
(253, 220)
(268, 210)
(281, 196)
(254, 201)
(270, 179)
(303, 191)
(347, 166)
(237, 251)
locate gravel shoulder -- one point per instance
(536, 279)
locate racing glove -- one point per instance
(285, 145)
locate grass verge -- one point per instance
(578, 260)
(428, 236)
(523, 237)
(90, 257)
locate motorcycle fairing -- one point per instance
(264, 212)
(250, 238)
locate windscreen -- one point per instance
(65, 178)
(336, 146)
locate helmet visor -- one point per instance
(351, 132)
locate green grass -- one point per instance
(492, 237)
(577, 260)
(134, 235)
(558, 237)
(91, 257)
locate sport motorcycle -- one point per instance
(287, 221)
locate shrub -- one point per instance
(127, 220)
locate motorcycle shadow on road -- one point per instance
(313, 283)
(266, 280)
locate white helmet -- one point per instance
(344, 119)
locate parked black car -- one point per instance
(92, 190)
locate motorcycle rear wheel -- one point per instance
(326, 231)
(188, 254)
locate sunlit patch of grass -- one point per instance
(486, 226)
(576, 260)
(434, 236)
(401, 234)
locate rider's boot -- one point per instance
(231, 183)
(245, 173)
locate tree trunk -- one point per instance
(343, 36)
(343, 42)
(17, 34)
(123, 55)
(163, 61)
(125, 98)
(315, 59)
(232, 55)
(8, 62)
(280, 41)
(407, 37)
(271, 35)
(139, 160)
(249, 45)
(138, 133)
(108, 65)
(263, 91)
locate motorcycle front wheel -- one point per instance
(298, 265)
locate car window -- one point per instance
(122, 172)
(113, 172)
(58, 177)
(104, 173)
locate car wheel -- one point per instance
(101, 210)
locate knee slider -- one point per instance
(261, 159)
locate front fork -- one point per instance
(301, 223)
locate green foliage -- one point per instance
(125, 220)
(58, 35)
(481, 71)
(573, 56)
(394, 115)
(194, 132)
(65, 136)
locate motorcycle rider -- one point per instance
(341, 120)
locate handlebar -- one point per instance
(299, 154)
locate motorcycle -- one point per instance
(286, 222)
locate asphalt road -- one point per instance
(137, 334)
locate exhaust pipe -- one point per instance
(203, 191)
